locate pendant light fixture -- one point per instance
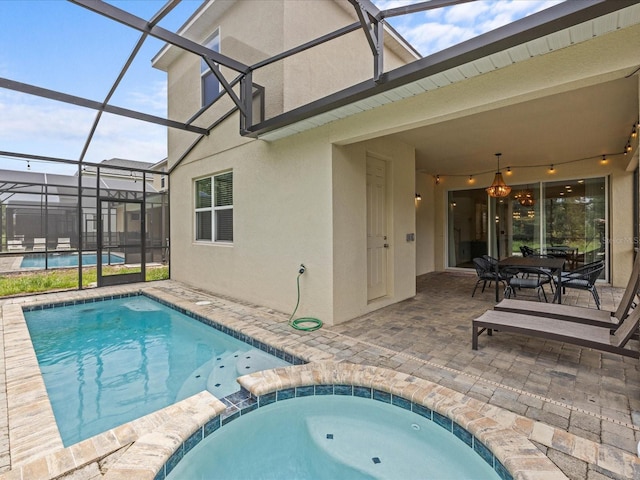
(498, 188)
(525, 198)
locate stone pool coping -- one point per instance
(506, 434)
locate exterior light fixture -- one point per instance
(498, 188)
(418, 196)
(525, 198)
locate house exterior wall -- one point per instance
(302, 199)
(332, 66)
(350, 226)
(282, 217)
(284, 192)
(425, 225)
(273, 26)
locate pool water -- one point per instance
(112, 361)
(330, 437)
(59, 260)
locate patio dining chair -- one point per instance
(486, 271)
(528, 277)
(526, 251)
(584, 278)
(587, 316)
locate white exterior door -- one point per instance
(377, 242)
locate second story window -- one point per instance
(209, 84)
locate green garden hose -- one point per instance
(306, 324)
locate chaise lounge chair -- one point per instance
(15, 246)
(64, 244)
(590, 336)
(587, 316)
(39, 244)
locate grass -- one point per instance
(65, 279)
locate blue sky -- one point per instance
(61, 46)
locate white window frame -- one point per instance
(213, 209)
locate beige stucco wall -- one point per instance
(302, 199)
(282, 217)
(295, 201)
(332, 66)
(350, 226)
(273, 26)
(425, 225)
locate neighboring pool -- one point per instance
(59, 260)
(108, 362)
(331, 437)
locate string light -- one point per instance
(602, 158)
(28, 165)
(632, 136)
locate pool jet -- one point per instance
(306, 324)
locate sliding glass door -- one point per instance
(468, 226)
(565, 218)
(576, 220)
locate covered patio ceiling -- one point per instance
(580, 124)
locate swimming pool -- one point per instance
(335, 436)
(61, 260)
(107, 362)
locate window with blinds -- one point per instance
(214, 208)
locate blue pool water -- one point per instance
(58, 260)
(109, 362)
(332, 437)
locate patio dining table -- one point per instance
(553, 264)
